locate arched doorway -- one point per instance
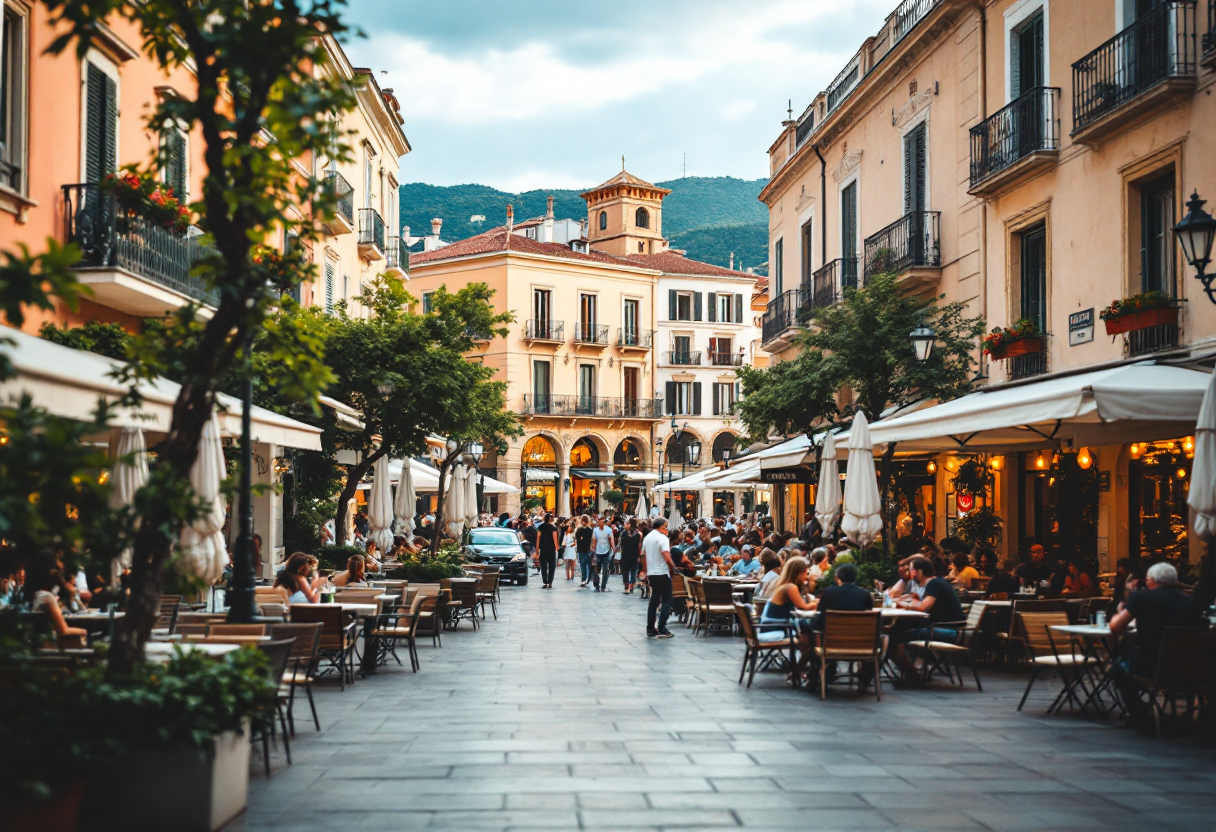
(538, 462)
(585, 477)
(683, 456)
(626, 459)
(724, 501)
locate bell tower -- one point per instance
(625, 215)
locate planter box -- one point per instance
(182, 790)
(1143, 319)
(1023, 347)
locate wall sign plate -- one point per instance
(1081, 327)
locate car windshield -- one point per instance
(494, 537)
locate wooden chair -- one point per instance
(1186, 667)
(850, 637)
(237, 630)
(487, 593)
(679, 592)
(337, 640)
(186, 630)
(463, 604)
(942, 655)
(166, 617)
(1010, 636)
(495, 570)
(1042, 653)
(719, 605)
(698, 615)
(307, 639)
(393, 627)
(278, 654)
(773, 652)
(360, 596)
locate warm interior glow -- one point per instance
(931, 467)
(951, 465)
(1180, 473)
(1084, 459)
(1136, 450)
(1188, 445)
(1039, 462)
(996, 463)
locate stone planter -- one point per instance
(1022, 347)
(59, 814)
(1161, 316)
(180, 790)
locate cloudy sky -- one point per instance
(523, 94)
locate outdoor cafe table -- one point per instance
(162, 651)
(1097, 643)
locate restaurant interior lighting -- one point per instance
(1040, 463)
(1136, 450)
(951, 465)
(1188, 445)
(996, 463)
(1084, 459)
(931, 467)
(1180, 473)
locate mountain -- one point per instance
(709, 217)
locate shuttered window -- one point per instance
(713, 308)
(914, 169)
(738, 309)
(173, 160)
(778, 267)
(1157, 210)
(1026, 56)
(329, 286)
(1034, 276)
(697, 301)
(12, 98)
(101, 129)
(848, 222)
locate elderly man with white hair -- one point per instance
(1153, 609)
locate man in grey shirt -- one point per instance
(603, 542)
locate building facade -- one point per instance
(1028, 158)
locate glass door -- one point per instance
(586, 389)
(541, 313)
(540, 386)
(586, 318)
(630, 381)
(629, 328)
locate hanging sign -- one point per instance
(793, 474)
(1081, 327)
(964, 501)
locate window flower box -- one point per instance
(1143, 319)
(1020, 339)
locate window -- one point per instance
(586, 388)
(641, 218)
(723, 442)
(631, 384)
(630, 317)
(12, 99)
(330, 270)
(807, 250)
(681, 348)
(586, 318)
(720, 351)
(541, 306)
(603, 220)
(540, 385)
(778, 267)
(848, 222)
(725, 307)
(914, 169)
(641, 247)
(683, 398)
(1156, 237)
(1033, 300)
(369, 177)
(683, 306)
(101, 124)
(173, 160)
(1026, 62)
(427, 304)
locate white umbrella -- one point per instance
(129, 475)
(380, 506)
(406, 500)
(827, 498)
(861, 522)
(202, 542)
(675, 521)
(1202, 499)
(454, 510)
(470, 498)
(640, 510)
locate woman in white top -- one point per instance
(771, 563)
(41, 587)
(569, 551)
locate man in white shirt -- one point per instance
(603, 542)
(657, 551)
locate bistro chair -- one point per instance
(1043, 654)
(850, 637)
(392, 627)
(186, 630)
(495, 570)
(166, 618)
(949, 657)
(696, 618)
(463, 604)
(680, 599)
(299, 674)
(769, 654)
(1010, 635)
(487, 589)
(1186, 667)
(278, 654)
(337, 640)
(719, 604)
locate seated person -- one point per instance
(299, 580)
(846, 596)
(1003, 585)
(777, 621)
(1153, 609)
(905, 585)
(985, 563)
(355, 574)
(746, 565)
(41, 589)
(1078, 583)
(819, 563)
(770, 561)
(962, 573)
(372, 557)
(1036, 570)
(939, 601)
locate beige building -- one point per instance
(1029, 158)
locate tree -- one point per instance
(857, 356)
(407, 373)
(259, 104)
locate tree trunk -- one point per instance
(354, 476)
(887, 474)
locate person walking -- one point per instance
(605, 545)
(546, 546)
(582, 545)
(656, 549)
(631, 549)
(569, 553)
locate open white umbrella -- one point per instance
(202, 542)
(640, 510)
(130, 474)
(1202, 498)
(827, 498)
(861, 522)
(380, 506)
(453, 509)
(405, 501)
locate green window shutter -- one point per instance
(671, 304)
(671, 398)
(713, 307)
(696, 313)
(696, 398)
(175, 161)
(738, 309)
(101, 129)
(717, 405)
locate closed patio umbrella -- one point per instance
(202, 542)
(380, 506)
(862, 504)
(640, 509)
(1202, 498)
(827, 498)
(675, 521)
(129, 475)
(454, 510)
(472, 509)
(405, 500)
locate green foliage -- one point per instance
(980, 527)
(1136, 303)
(107, 339)
(335, 557)
(1001, 337)
(614, 497)
(844, 557)
(973, 477)
(447, 562)
(37, 279)
(716, 243)
(531, 503)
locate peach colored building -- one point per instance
(1029, 158)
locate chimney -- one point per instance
(510, 225)
(732, 261)
(432, 241)
(547, 230)
(436, 224)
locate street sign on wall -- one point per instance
(1081, 327)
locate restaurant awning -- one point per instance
(786, 454)
(346, 417)
(592, 474)
(745, 474)
(640, 476)
(426, 478)
(692, 482)
(542, 475)
(69, 383)
(1130, 403)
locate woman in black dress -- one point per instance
(631, 549)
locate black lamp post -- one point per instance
(923, 338)
(242, 608)
(1195, 233)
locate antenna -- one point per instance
(622, 162)
(790, 109)
(685, 164)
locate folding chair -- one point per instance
(1043, 654)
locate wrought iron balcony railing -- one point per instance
(627, 336)
(844, 83)
(585, 333)
(784, 312)
(684, 358)
(548, 404)
(1029, 364)
(371, 228)
(396, 255)
(1209, 38)
(343, 194)
(912, 240)
(1025, 125)
(725, 359)
(829, 281)
(1157, 47)
(111, 238)
(542, 330)
(1152, 339)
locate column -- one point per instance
(707, 502)
(736, 498)
(563, 489)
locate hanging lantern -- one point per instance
(1040, 462)
(951, 465)
(996, 463)
(931, 467)
(1084, 460)
(1188, 445)
(1135, 450)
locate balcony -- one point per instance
(1209, 38)
(683, 358)
(806, 126)
(909, 248)
(396, 258)
(783, 316)
(1016, 142)
(548, 404)
(844, 83)
(830, 280)
(595, 335)
(543, 330)
(343, 220)
(132, 265)
(632, 338)
(1152, 339)
(1029, 364)
(725, 359)
(1146, 67)
(371, 235)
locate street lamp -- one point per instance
(923, 338)
(1195, 233)
(242, 608)
(726, 458)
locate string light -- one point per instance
(1181, 473)
(1040, 463)
(951, 465)
(931, 467)
(1084, 460)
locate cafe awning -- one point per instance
(592, 474)
(1129, 403)
(745, 474)
(542, 475)
(786, 454)
(426, 478)
(692, 482)
(640, 476)
(69, 383)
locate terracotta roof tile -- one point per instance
(495, 239)
(669, 262)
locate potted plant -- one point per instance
(1140, 312)
(1022, 338)
(146, 198)
(981, 527)
(614, 497)
(973, 477)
